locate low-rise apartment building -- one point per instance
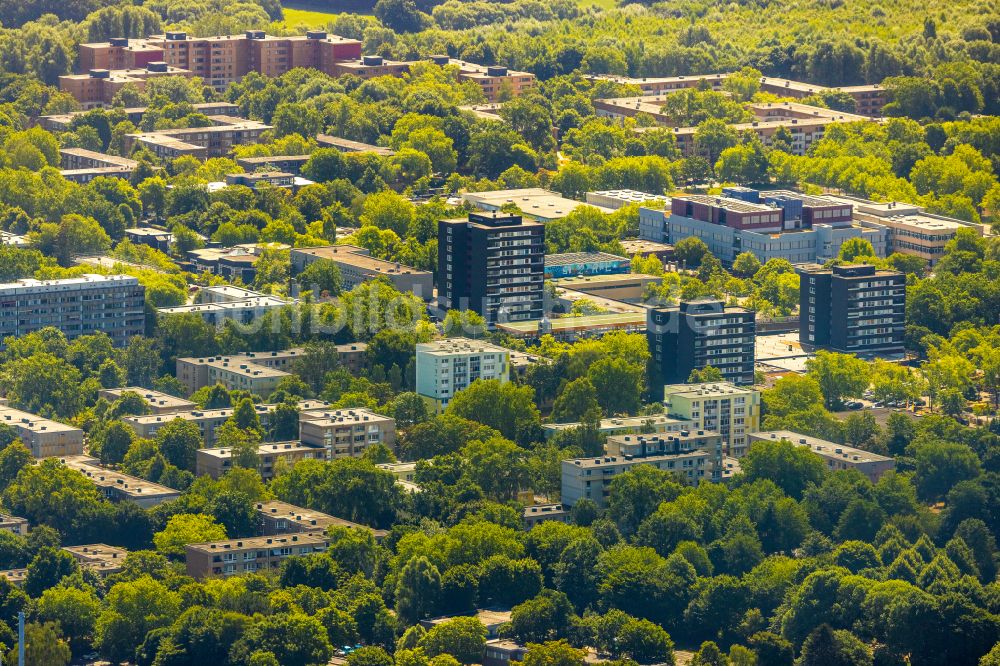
(730, 410)
(159, 402)
(215, 462)
(645, 445)
(276, 517)
(110, 304)
(118, 486)
(349, 146)
(45, 438)
(835, 456)
(540, 513)
(616, 199)
(357, 266)
(625, 425)
(346, 433)
(571, 264)
(208, 421)
(102, 559)
(98, 87)
(445, 367)
(496, 81)
(216, 140)
(591, 478)
(13, 524)
(241, 556)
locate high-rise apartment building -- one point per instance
(445, 367)
(852, 308)
(699, 333)
(494, 264)
(730, 410)
(84, 305)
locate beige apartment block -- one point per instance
(241, 556)
(43, 437)
(159, 402)
(836, 456)
(276, 517)
(346, 433)
(120, 487)
(216, 462)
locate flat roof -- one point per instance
(306, 538)
(79, 281)
(532, 201)
(32, 422)
(107, 478)
(821, 446)
(579, 282)
(726, 203)
(636, 460)
(154, 398)
(277, 509)
(353, 256)
(707, 390)
(621, 422)
(638, 245)
(577, 323)
(352, 146)
(353, 415)
(265, 448)
(452, 346)
(570, 258)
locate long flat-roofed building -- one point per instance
(357, 266)
(195, 371)
(241, 556)
(119, 487)
(215, 462)
(111, 304)
(43, 437)
(208, 421)
(215, 140)
(102, 559)
(276, 517)
(493, 79)
(616, 199)
(836, 456)
(223, 59)
(570, 264)
(535, 203)
(346, 433)
(625, 425)
(98, 87)
(591, 478)
(349, 146)
(159, 402)
(645, 445)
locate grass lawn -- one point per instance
(603, 4)
(307, 17)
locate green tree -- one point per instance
(74, 609)
(464, 638)
(828, 647)
(503, 406)
(577, 399)
(553, 653)
(47, 568)
(43, 646)
(792, 468)
(187, 528)
(133, 609)
(839, 376)
(690, 251)
(179, 441)
(417, 590)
